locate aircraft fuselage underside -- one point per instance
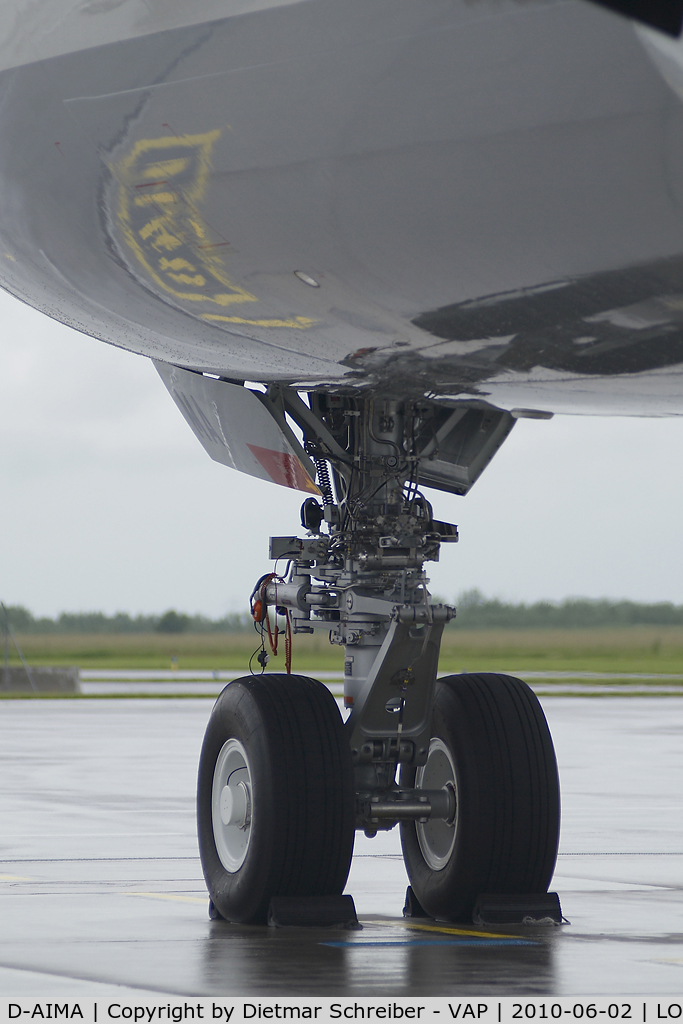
(461, 200)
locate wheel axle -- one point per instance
(407, 805)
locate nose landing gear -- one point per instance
(465, 764)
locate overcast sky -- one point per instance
(109, 503)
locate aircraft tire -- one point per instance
(491, 744)
(275, 796)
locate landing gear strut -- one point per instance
(283, 783)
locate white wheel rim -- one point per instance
(437, 836)
(231, 805)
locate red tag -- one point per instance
(284, 469)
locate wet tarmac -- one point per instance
(101, 889)
(206, 683)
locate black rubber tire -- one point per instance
(508, 801)
(302, 794)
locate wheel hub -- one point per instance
(231, 805)
(234, 805)
(436, 836)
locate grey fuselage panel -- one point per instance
(475, 201)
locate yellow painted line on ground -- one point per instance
(15, 878)
(170, 896)
(442, 928)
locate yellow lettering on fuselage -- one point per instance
(161, 184)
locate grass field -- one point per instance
(635, 649)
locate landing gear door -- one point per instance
(456, 445)
(666, 15)
(237, 429)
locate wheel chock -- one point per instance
(312, 912)
(413, 907)
(214, 913)
(527, 908)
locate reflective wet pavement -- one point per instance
(204, 683)
(101, 888)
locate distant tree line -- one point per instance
(475, 611)
(22, 621)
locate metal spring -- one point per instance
(324, 482)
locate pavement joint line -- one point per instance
(85, 860)
(93, 835)
(169, 896)
(378, 856)
(443, 929)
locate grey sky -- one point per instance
(109, 502)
